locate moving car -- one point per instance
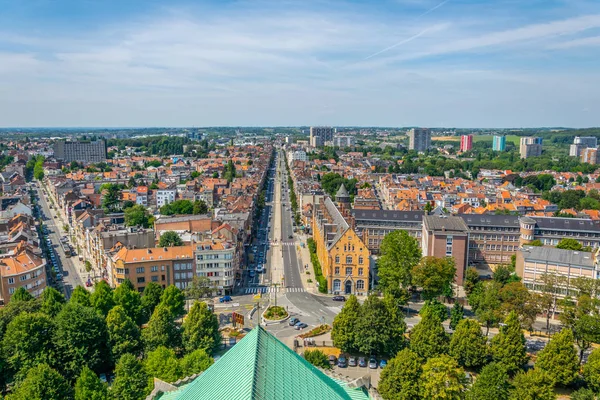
(372, 363)
(259, 269)
(293, 321)
(300, 325)
(338, 298)
(225, 299)
(362, 362)
(352, 361)
(342, 362)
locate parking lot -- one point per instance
(358, 372)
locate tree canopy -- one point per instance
(400, 252)
(170, 239)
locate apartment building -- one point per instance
(466, 142)
(499, 143)
(590, 155)
(141, 197)
(446, 236)
(321, 135)
(373, 225)
(493, 239)
(84, 151)
(216, 259)
(296, 155)
(343, 256)
(530, 147)
(419, 139)
(581, 143)
(344, 141)
(163, 265)
(533, 262)
(165, 196)
(21, 267)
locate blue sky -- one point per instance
(454, 63)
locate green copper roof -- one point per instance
(261, 367)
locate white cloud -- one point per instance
(592, 41)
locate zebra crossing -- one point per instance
(272, 243)
(272, 289)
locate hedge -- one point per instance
(312, 247)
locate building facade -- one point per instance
(530, 147)
(590, 155)
(21, 267)
(216, 260)
(446, 236)
(320, 135)
(88, 152)
(499, 143)
(165, 196)
(344, 141)
(466, 142)
(343, 256)
(419, 139)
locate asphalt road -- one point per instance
(71, 278)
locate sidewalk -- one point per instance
(304, 257)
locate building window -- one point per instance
(141, 279)
(360, 259)
(139, 270)
(360, 285)
(11, 290)
(337, 285)
(360, 271)
(348, 259)
(337, 259)
(154, 268)
(337, 270)
(449, 241)
(11, 281)
(348, 270)
(154, 278)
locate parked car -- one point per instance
(362, 362)
(372, 363)
(252, 274)
(293, 321)
(59, 277)
(300, 325)
(332, 360)
(338, 298)
(290, 236)
(342, 362)
(382, 364)
(225, 299)
(352, 361)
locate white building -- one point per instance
(165, 196)
(215, 260)
(297, 155)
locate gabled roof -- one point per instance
(261, 367)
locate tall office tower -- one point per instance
(499, 143)
(320, 135)
(343, 141)
(581, 143)
(419, 139)
(84, 151)
(466, 142)
(530, 147)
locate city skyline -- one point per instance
(337, 63)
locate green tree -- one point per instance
(492, 383)
(377, 330)
(161, 330)
(400, 252)
(89, 387)
(508, 346)
(195, 362)
(52, 301)
(150, 299)
(485, 302)
(505, 274)
(127, 297)
(569, 244)
(170, 239)
(583, 318)
(81, 296)
(559, 358)
(516, 297)
(468, 346)
(532, 385)
(583, 394)
(400, 378)
(456, 315)
(434, 306)
(111, 197)
(162, 363)
(199, 287)
(131, 380)
(28, 342)
(536, 242)
(442, 378)
(21, 295)
(591, 371)
(102, 298)
(201, 329)
(174, 299)
(200, 207)
(42, 383)
(317, 358)
(81, 340)
(471, 279)
(138, 216)
(428, 338)
(434, 275)
(344, 326)
(124, 335)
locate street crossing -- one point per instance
(272, 243)
(272, 289)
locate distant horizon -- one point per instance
(290, 126)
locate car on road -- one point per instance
(352, 362)
(260, 269)
(382, 364)
(362, 362)
(342, 361)
(293, 321)
(338, 298)
(252, 273)
(225, 299)
(332, 360)
(372, 363)
(300, 325)
(59, 277)
(290, 236)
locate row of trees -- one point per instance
(184, 207)
(54, 349)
